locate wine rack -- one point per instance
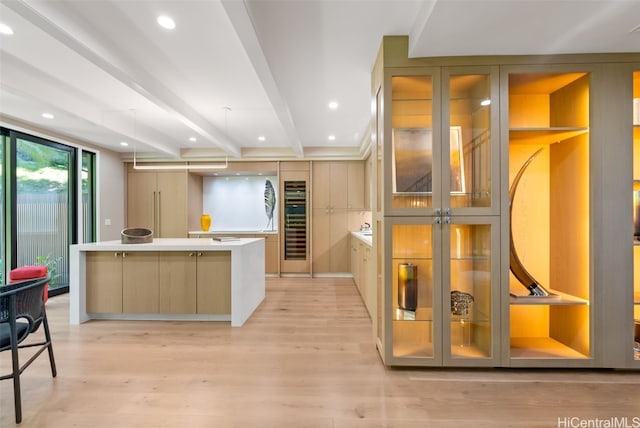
(295, 220)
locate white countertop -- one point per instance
(233, 232)
(367, 239)
(169, 244)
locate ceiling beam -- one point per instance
(241, 22)
(132, 76)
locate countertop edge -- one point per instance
(168, 244)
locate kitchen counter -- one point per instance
(367, 238)
(247, 276)
(239, 233)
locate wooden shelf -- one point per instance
(636, 298)
(541, 347)
(559, 299)
(409, 349)
(544, 135)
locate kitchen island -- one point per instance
(168, 279)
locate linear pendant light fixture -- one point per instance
(180, 166)
(187, 166)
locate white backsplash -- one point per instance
(237, 203)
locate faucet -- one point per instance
(365, 226)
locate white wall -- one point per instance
(237, 203)
(111, 195)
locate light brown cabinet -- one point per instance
(120, 282)
(104, 282)
(165, 282)
(167, 202)
(213, 279)
(271, 256)
(178, 289)
(360, 256)
(338, 187)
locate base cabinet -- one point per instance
(178, 282)
(360, 263)
(140, 283)
(166, 282)
(213, 277)
(104, 282)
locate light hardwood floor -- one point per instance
(305, 359)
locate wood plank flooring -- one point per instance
(306, 358)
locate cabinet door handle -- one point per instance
(191, 254)
(154, 220)
(124, 254)
(159, 214)
(200, 254)
(116, 254)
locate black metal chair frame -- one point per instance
(22, 310)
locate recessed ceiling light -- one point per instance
(5, 29)
(48, 115)
(193, 139)
(333, 105)
(332, 137)
(124, 143)
(262, 138)
(166, 22)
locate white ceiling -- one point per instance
(109, 73)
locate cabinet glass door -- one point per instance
(470, 299)
(413, 279)
(414, 175)
(470, 151)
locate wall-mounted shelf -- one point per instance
(557, 298)
(544, 136)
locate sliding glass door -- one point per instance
(44, 220)
(40, 196)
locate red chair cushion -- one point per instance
(30, 272)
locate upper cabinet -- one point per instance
(442, 156)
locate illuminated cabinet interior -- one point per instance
(440, 219)
(636, 215)
(549, 216)
(499, 209)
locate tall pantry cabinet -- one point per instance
(337, 199)
(498, 211)
(167, 202)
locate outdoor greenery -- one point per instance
(52, 266)
(41, 169)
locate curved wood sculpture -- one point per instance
(518, 270)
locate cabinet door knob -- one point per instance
(191, 254)
(200, 254)
(116, 254)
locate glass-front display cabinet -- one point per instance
(441, 217)
(441, 295)
(636, 216)
(549, 284)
